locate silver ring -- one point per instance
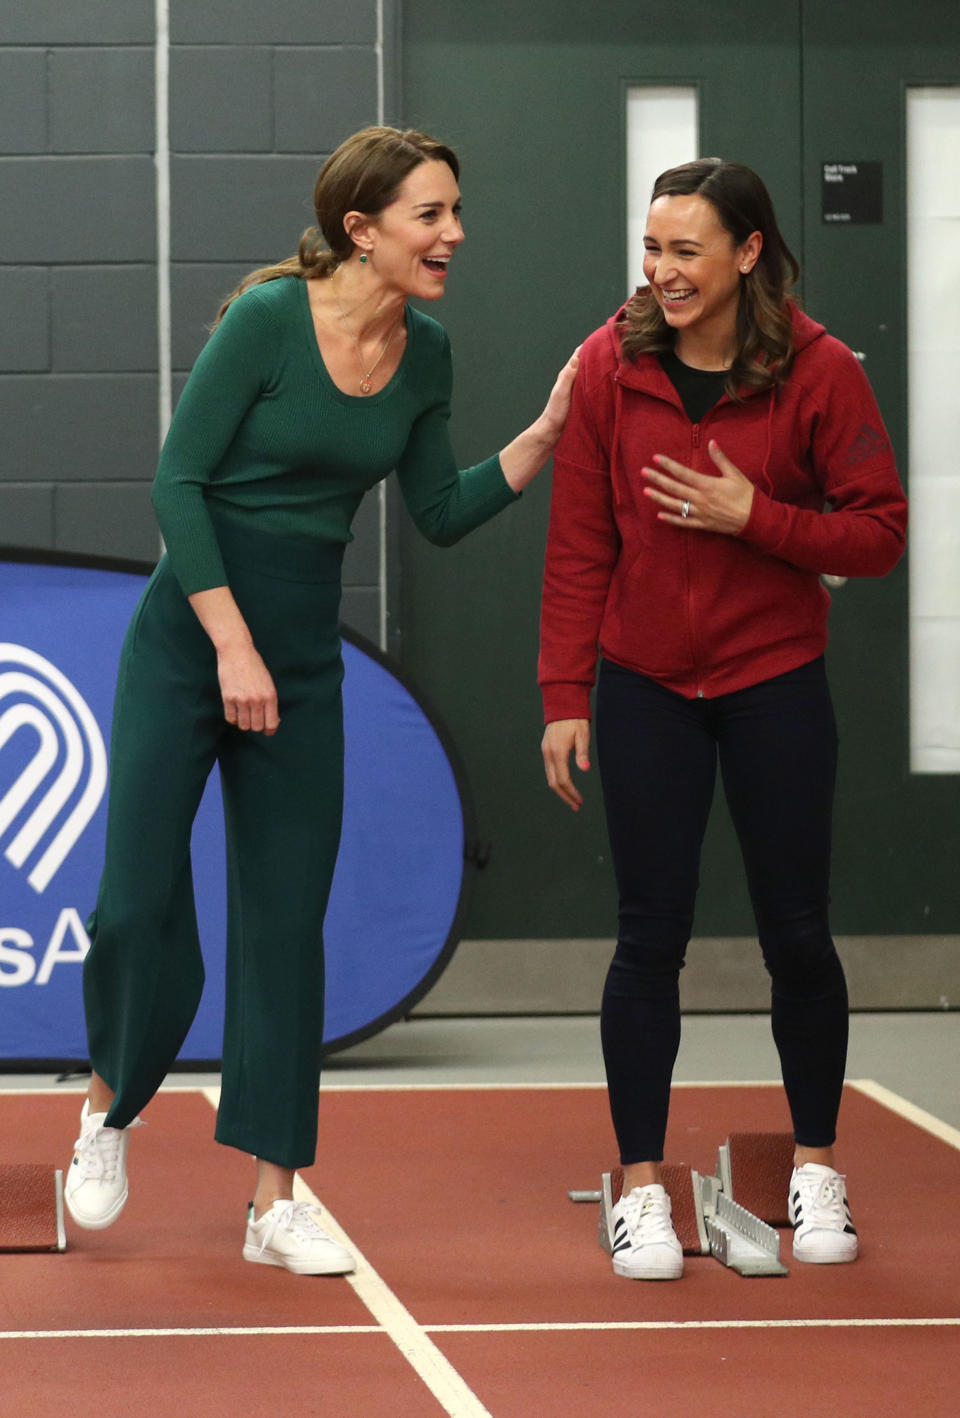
(685, 510)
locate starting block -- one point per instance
(31, 1208)
(680, 1184)
(731, 1215)
(755, 1169)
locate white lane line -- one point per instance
(692, 1324)
(419, 1350)
(254, 1331)
(907, 1110)
(225, 1331)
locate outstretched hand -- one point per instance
(557, 407)
(713, 504)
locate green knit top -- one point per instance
(262, 435)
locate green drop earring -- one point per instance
(363, 260)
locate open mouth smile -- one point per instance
(436, 265)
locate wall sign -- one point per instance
(390, 925)
(852, 192)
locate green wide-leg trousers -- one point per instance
(282, 800)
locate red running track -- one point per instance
(457, 1198)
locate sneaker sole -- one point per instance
(826, 1257)
(664, 1273)
(297, 1267)
(96, 1223)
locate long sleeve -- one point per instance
(864, 534)
(444, 502)
(582, 548)
(230, 374)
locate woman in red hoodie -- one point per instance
(722, 453)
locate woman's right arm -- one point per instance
(246, 685)
(230, 374)
(228, 377)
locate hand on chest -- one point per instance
(756, 437)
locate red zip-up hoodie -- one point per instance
(705, 613)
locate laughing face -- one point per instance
(694, 269)
(413, 239)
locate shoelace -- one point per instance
(296, 1217)
(825, 1204)
(98, 1152)
(647, 1218)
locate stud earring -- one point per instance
(363, 260)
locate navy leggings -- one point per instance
(657, 752)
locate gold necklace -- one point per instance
(365, 374)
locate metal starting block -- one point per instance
(707, 1219)
(740, 1240)
(31, 1208)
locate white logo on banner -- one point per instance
(46, 702)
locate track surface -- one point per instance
(481, 1289)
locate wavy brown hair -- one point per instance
(764, 336)
(363, 175)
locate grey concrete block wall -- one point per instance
(247, 207)
(258, 96)
(103, 318)
(323, 94)
(51, 22)
(23, 105)
(283, 22)
(101, 100)
(206, 84)
(25, 326)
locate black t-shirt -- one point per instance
(699, 389)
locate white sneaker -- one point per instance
(820, 1215)
(96, 1187)
(645, 1245)
(290, 1235)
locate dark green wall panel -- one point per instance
(534, 102)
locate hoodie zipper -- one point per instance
(689, 550)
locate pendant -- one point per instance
(365, 386)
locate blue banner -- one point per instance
(390, 924)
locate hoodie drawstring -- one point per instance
(615, 445)
(764, 475)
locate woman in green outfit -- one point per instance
(318, 380)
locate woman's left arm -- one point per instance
(863, 534)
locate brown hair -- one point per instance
(764, 348)
(363, 175)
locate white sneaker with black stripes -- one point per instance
(645, 1245)
(819, 1212)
